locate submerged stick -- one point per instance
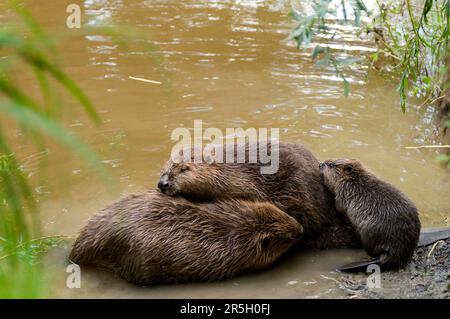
(144, 80)
(426, 146)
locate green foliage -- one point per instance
(33, 116)
(414, 44)
(16, 204)
(26, 47)
(315, 25)
(443, 158)
(20, 266)
(416, 40)
(29, 251)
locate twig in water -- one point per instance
(426, 146)
(144, 80)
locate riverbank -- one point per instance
(427, 276)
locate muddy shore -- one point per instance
(427, 276)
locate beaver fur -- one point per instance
(151, 238)
(385, 218)
(297, 188)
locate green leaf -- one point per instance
(347, 61)
(318, 49)
(374, 57)
(32, 24)
(30, 250)
(443, 158)
(323, 62)
(295, 15)
(426, 80)
(446, 86)
(8, 39)
(44, 123)
(402, 88)
(39, 61)
(297, 32)
(357, 20)
(15, 195)
(442, 69)
(426, 8)
(346, 86)
(361, 6)
(16, 95)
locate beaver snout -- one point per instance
(163, 185)
(327, 164)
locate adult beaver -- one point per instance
(296, 188)
(386, 220)
(152, 238)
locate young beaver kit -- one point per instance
(152, 238)
(296, 188)
(386, 220)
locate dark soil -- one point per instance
(427, 276)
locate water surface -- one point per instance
(226, 63)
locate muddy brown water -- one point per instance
(226, 63)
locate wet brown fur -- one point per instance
(385, 218)
(297, 188)
(152, 238)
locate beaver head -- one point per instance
(274, 231)
(342, 170)
(197, 180)
(208, 179)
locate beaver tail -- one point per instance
(394, 262)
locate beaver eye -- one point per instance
(331, 165)
(184, 168)
(348, 169)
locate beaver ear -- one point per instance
(184, 168)
(348, 169)
(265, 240)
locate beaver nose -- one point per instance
(163, 185)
